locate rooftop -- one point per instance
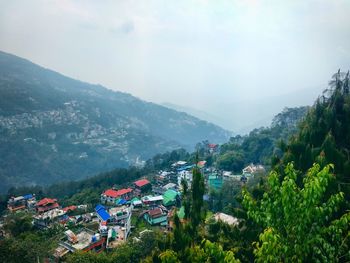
(152, 198)
(50, 214)
(157, 212)
(69, 208)
(226, 218)
(46, 207)
(169, 185)
(46, 201)
(169, 196)
(81, 240)
(102, 213)
(141, 182)
(114, 193)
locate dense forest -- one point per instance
(298, 213)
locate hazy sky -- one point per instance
(240, 60)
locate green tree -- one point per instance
(19, 223)
(300, 223)
(197, 209)
(324, 134)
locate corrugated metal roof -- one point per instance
(102, 213)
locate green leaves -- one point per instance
(300, 221)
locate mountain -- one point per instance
(55, 128)
(200, 114)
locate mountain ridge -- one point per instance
(50, 123)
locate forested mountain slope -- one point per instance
(55, 128)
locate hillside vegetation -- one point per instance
(54, 128)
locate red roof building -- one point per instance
(115, 194)
(69, 208)
(46, 204)
(111, 195)
(142, 183)
(212, 145)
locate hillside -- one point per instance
(55, 128)
(324, 135)
(262, 143)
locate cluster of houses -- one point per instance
(114, 216)
(150, 203)
(153, 203)
(21, 202)
(46, 211)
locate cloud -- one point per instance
(219, 56)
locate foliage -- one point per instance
(29, 246)
(300, 223)
(165, 160)
(17, 224)
(324, 135)
(260, 144)
(197, 212)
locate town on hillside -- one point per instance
(123, 213)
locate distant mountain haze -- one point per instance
(243, 115)
(200, 114)
(55, 128)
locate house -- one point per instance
(152, 200)
(143, 185)
(121, 217)
(169, 186)
(102, 213)
(201, 164)
(46, 204)
(213, 147)
(170, 197)
(16, 203)
(110, 195)
(184, 175)
(185, 168)
(178, 163)
(136, 202)
(156, 216)
(31, 201)
(227, 176)
(85, 240)
(21, 202)
(69, 208)
(252, 169)
(45, 219)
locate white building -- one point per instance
(184, 175)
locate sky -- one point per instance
(238, 61)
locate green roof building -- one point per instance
(169, 197)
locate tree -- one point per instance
(300, 223)
(17, 224)
(324, 131)
(197, 213)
